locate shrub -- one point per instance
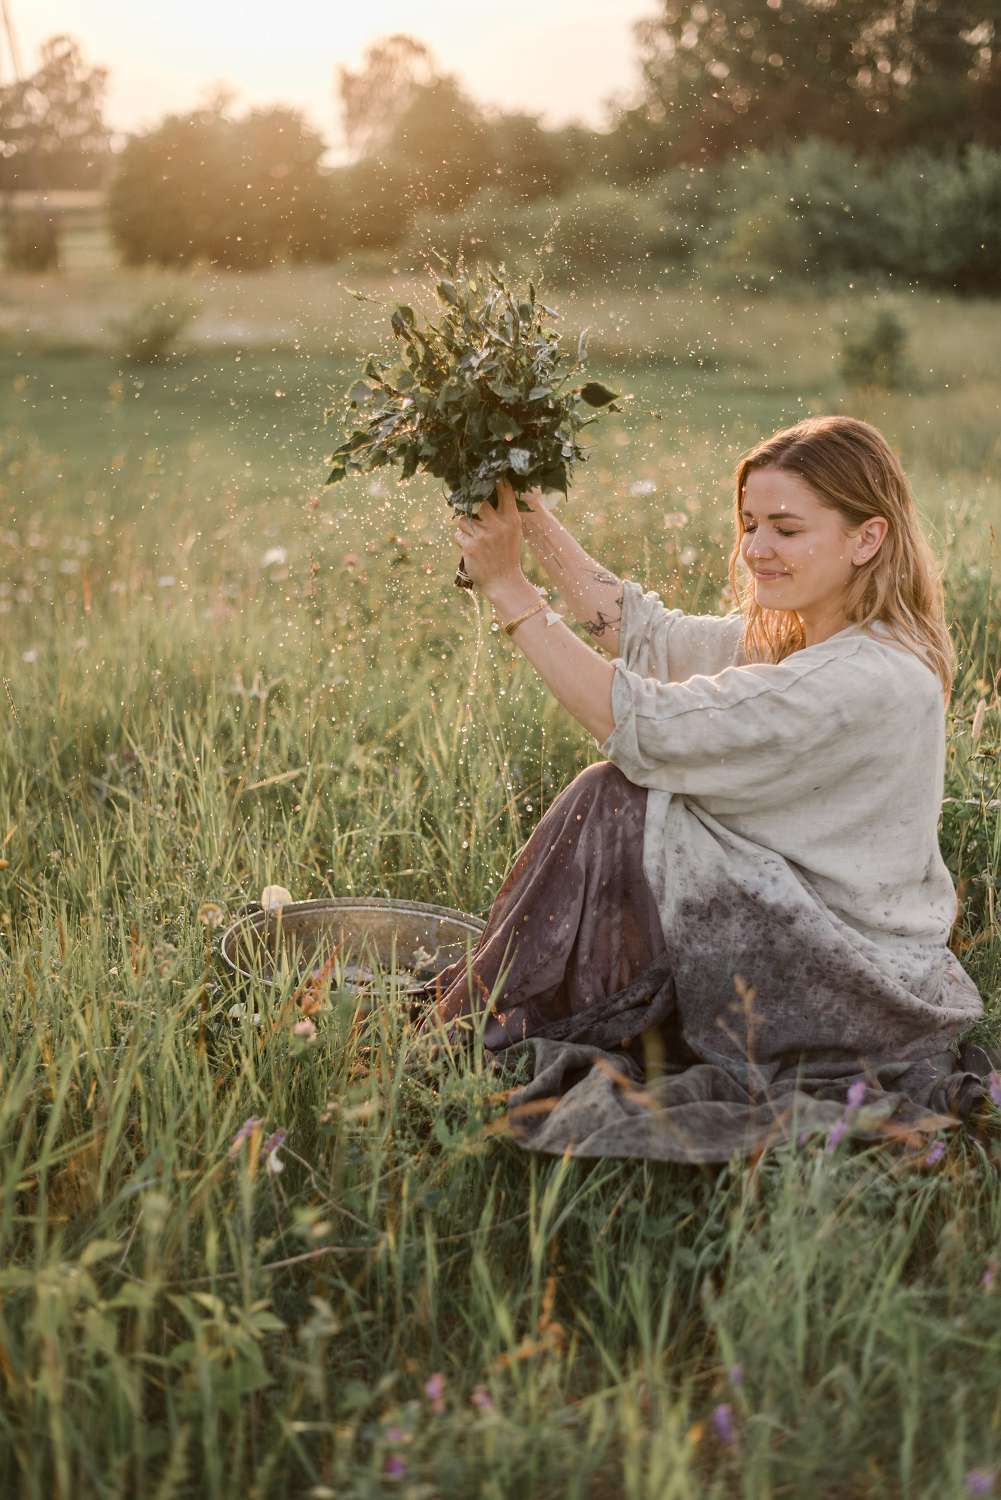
(31, 242)
(145, 335)
(877, 356)
(234, 192)
(487, 228)
(941, 218)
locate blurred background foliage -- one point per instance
(771, 139)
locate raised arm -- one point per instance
(593, 594)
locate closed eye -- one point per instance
(778, 529)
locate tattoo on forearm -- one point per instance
(605, 622)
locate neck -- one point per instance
(819, 625)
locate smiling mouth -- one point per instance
(764, 573)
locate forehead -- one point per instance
(768, 490)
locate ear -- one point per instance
(869, 539)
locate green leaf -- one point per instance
(539, 391)
(582, 345)
(359, 392)
(503, 426)
(596, 394)
(520, 460)
(447, 293)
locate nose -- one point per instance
(753, 547)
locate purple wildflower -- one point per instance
(980, 1482)
(990, 1272)
(856, 1093)
(394, 1466)
(935, 1154)
(246, 1129)
(395, 1435)
(836, 1132)
(434, 1390)
(273, 1161)
(736, 1374)
(723, 1422)
(482, 1398)
(994, 1086)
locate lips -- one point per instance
(763, 573)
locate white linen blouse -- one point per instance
(791, 833)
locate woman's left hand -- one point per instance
(490, 543)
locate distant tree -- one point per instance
(400, 111)
(878, 74)
(373, 98)
(235, 192)
(443, 143)
(52, 131)
(528, 161)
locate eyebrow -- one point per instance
(777, 515)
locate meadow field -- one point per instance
(218, 674)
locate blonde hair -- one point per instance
(851, 469)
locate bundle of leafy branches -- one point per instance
(479, 396)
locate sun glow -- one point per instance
(561, 61)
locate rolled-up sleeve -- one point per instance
(748, 734)
(670, 645)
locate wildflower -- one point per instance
(642, 487)
(305, 1028)
(723, 1422)
(994, 1086)
(434, 1390)
(980, 1482)
(395, 1435)
(270, 1148)
(211, 914)
(482, 1398)
(856, 1094)
(275, 895)
(990, 1273)
(836, 1132)
(675, 518)
(736, 1374)
(935, 1154)
(274, 557)
(245, 1131)
(237, 1012)
(394, 1466)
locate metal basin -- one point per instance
(412, 938)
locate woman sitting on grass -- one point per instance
(751, 882)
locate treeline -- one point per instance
(765, 136)
(813, 209)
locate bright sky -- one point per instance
(560, 59)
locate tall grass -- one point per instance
(212, 683)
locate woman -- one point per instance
(758, 856)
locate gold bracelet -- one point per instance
(533, 609)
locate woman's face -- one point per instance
(798, 550)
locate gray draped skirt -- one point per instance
(571, 973)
